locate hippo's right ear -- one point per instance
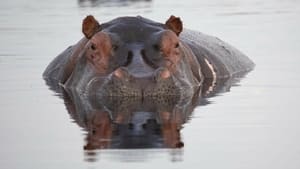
(90, 26)
(174, 24)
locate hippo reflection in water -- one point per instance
(131, 122)
(133, 57)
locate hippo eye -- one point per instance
(115, 47)
(177, 45)
(93, 47)
(156, 47)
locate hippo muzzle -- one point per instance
(122, 83)
(138, 78)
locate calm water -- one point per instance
(255, 125)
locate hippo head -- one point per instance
(134, 56)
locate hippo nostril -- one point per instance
(122, 73)
(165, 74)
(162, 74)
(118, 73)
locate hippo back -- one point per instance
(217, 58)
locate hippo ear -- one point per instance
(175, 24)
(90, 26)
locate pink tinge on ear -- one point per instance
(174, 24)
(90, 26)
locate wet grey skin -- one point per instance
(137, 67)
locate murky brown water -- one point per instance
(255, 125)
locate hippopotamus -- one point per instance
(135, 56)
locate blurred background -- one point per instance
(255, 125)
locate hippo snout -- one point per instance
(124, 83)
(159, 75)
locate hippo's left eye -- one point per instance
(177, 45)
(93, 47)
(156, 47)
(115, 47)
